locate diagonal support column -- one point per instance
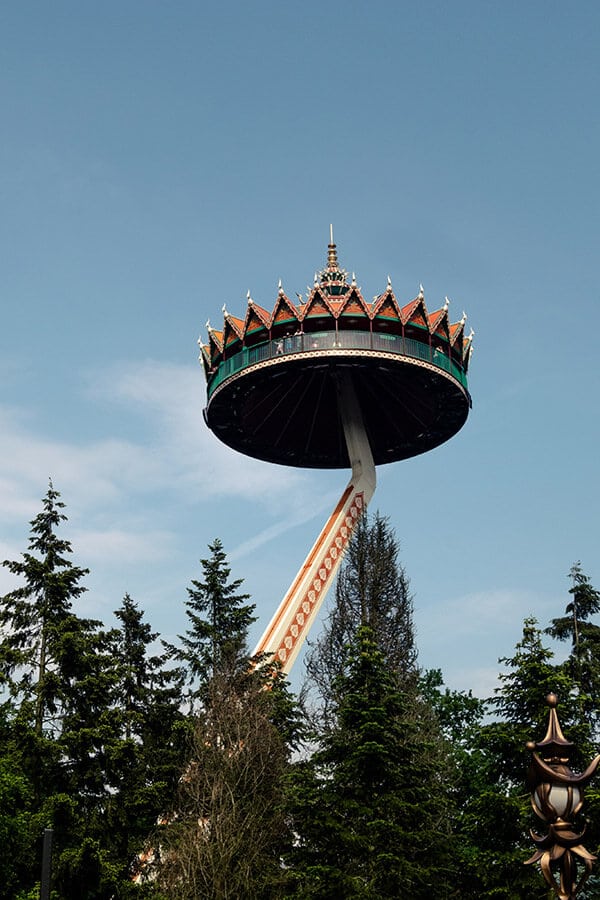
(290, 625)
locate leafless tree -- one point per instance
(225, 839)
(372, 589)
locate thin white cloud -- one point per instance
(8, 581)
(99, 469)
(111, 484)
(471, 632)
(119, 545)
(13, 502)
(178, 454)
(481, 680)
(480, 612)
(171, 397)
(303, 511)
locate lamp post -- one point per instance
(557, 797)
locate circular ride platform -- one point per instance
(272, 378)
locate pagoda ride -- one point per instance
(333, 381)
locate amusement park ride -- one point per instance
(331, 382)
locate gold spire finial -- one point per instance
(332, 260)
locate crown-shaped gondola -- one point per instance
(333, 303)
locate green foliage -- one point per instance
(75, 755)
(34, 617)
(370, 807)
(147, 743)
(407, 789)
(229, 826)
(493, 810)
(372, 804)
(583, 664)
(215, 642)
(16, 802)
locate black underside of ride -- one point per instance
(288, 413)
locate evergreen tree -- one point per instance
(494, 812)
(33, 616)
(371, 805)
(51, 663)
(583, 664)
(215, 642)
(79, 752)
(147, 746)
(148, 693)
(122, 748)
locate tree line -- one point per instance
(194, 771)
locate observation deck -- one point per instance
(273, 378)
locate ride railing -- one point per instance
(335, 340)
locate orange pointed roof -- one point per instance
(437, 318)
(284, 309)
(205, 358)
(215, 338)
(233, 329)
(317, 304)
(215, 345)
(336, 307)
(256, 317)
(354, 304)
(456, 332)
(387, 306)
(415, 312)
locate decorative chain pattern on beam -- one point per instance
(328, 564)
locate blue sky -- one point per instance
(158, 160)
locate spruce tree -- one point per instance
(583, 664)
(52, 663)
(85, 756)
(215, 643)
(122, 748)
(34, 617)
(371, 805)
(146, 748)
(146, 689)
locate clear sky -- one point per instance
(158, 160)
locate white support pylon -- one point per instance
(290, 625)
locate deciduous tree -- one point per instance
(494, 811)
(229, 825)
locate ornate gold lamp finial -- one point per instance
(557, 797)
